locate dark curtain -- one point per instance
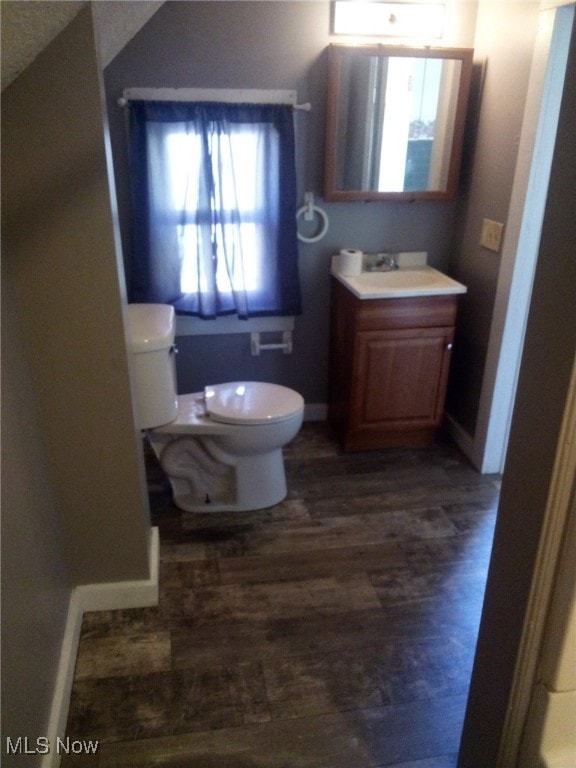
(214, 198)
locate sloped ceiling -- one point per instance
(28, 27)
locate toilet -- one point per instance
(221, 448)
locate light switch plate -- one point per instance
(491, 237)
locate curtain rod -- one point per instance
(123, 101)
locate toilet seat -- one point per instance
(235, 465)
(251, 402)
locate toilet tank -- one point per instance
(151, 329)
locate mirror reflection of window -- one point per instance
(445, 123)
(397, 151)
(395, 122)
(396, 125)
(425, 79)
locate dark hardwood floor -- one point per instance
(335, 630)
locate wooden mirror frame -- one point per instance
(335, 53)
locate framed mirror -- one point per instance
(395, 122)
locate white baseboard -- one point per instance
(315, 412)
(93, 597)
(124, 594)
(463, 440)
(64, 678)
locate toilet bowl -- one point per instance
(221, 448)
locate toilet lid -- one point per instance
(251, 402)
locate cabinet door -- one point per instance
(400, 378)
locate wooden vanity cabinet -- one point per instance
(389, 362)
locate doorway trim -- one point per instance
(561, 495)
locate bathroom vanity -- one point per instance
(390, 347)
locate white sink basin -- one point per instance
(408, 281)
(405, 278)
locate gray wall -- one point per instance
(503, 49)
(275, 45)
(59, 246)
(35, 584)
(547, 362)
(74, 506)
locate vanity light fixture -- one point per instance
(425, 20)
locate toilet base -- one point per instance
(206, 479)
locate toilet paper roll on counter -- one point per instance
(349, 262)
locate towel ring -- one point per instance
(308, 210)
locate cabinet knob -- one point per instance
(449, 346)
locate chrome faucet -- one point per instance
(384, 262)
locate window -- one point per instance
(214, 197)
